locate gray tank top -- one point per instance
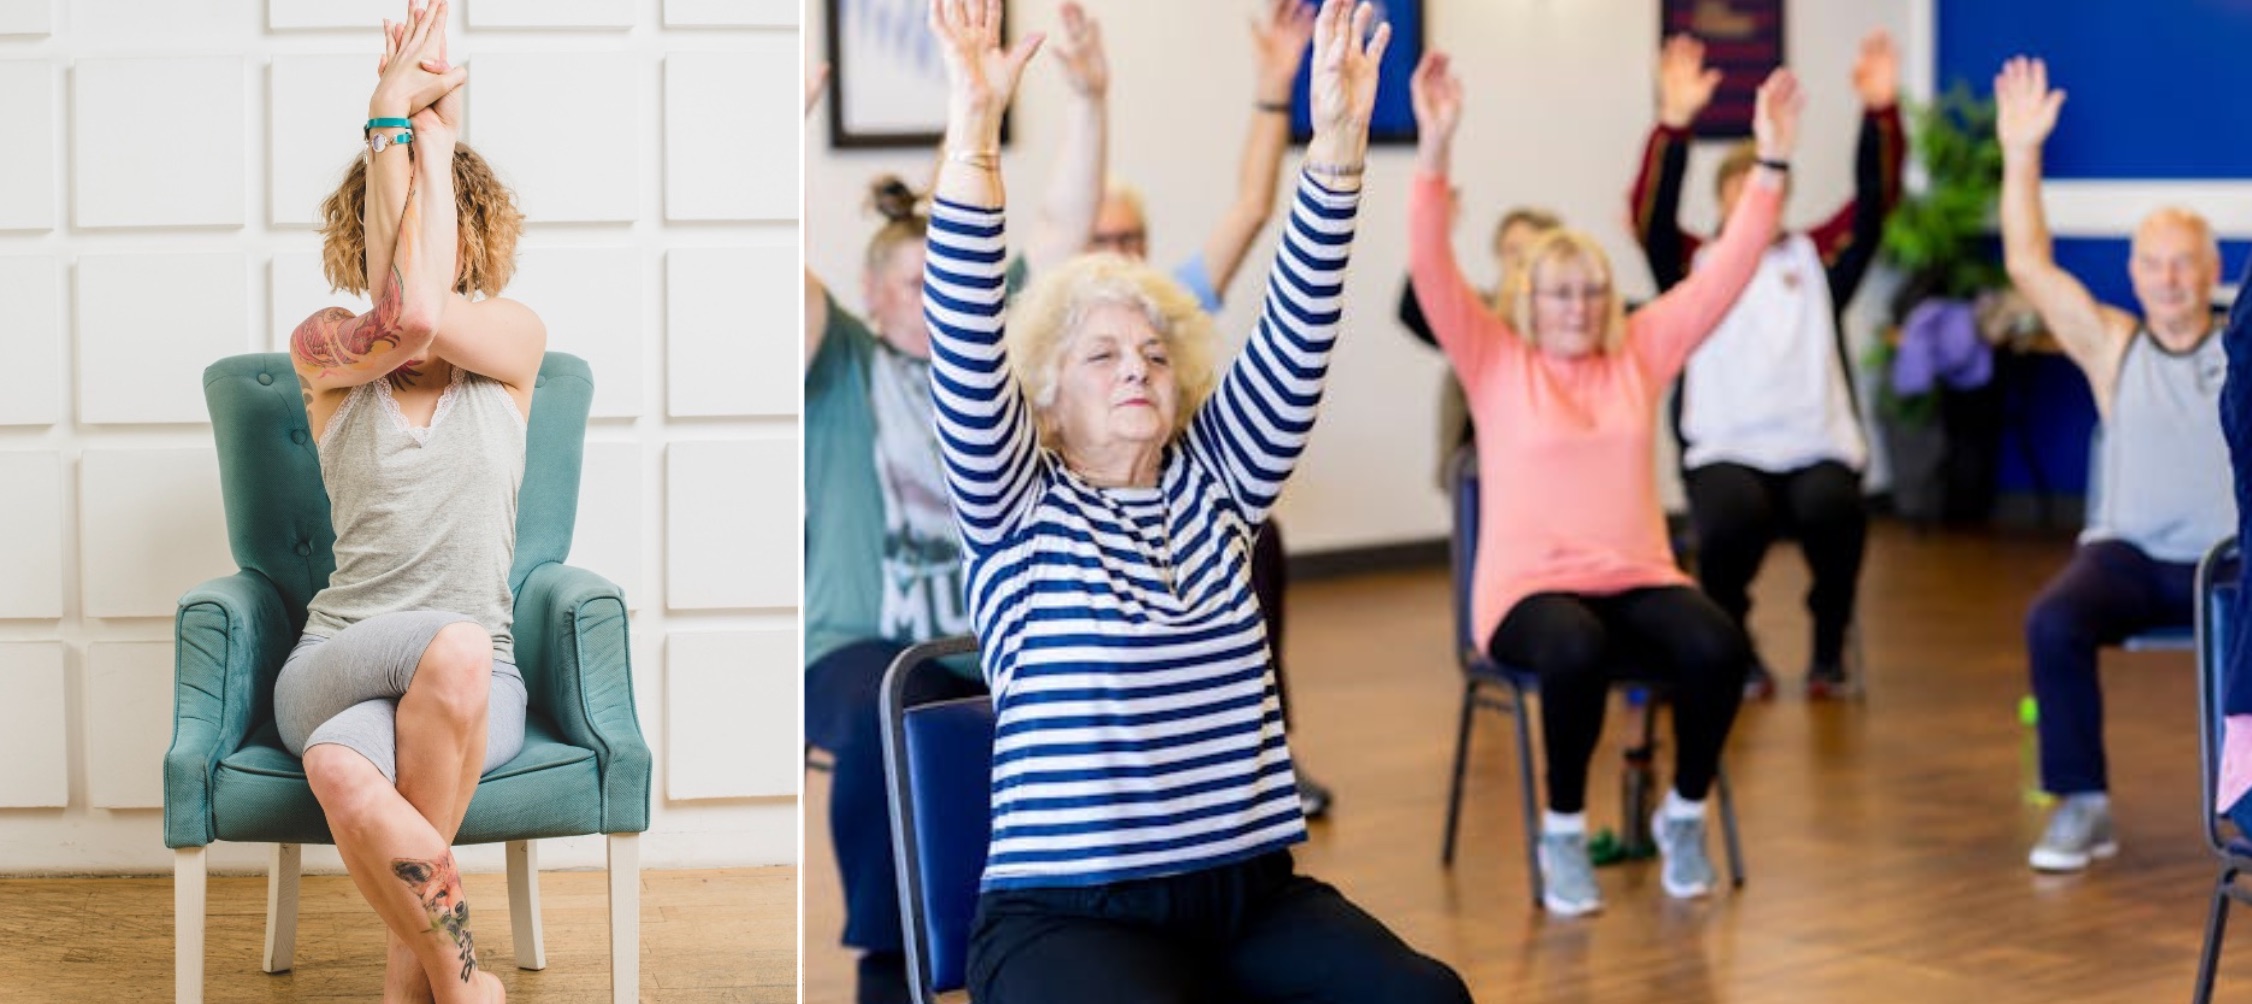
(2163, 477)
(425, 518)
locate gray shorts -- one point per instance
(345, 689)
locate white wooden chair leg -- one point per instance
(625, 917)
(281, 906)
(524, 903)
(187, 925)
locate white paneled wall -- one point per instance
(162, 173)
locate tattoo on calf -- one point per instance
(437, 886)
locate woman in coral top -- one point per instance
(1574, 574)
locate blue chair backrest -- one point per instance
(1462, 545)
(939, 769)
(2219, 587)
(270, 475)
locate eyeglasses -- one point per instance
(1567, 294)
(1126, 242)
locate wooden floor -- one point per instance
(1885, 840)
(706, 936)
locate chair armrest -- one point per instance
(572, 648)
(230, 636)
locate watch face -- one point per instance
(378, 141)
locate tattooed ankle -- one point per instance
(436, 884)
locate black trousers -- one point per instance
(1672, 635)
(1247, 932)
(842, 716)
(1740, 511)
(2110, 590)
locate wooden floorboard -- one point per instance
(725, 936)
(1885, 839)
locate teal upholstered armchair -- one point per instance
(584, 768)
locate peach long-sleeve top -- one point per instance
(1566, 447)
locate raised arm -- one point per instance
(1670, 327)
(1450, 307)
(1278, 42)
(1074, 196)
(2093, 335)
(984, 426)
(1256, 423)
(334, 348)
(1685, 87)
(1848, 240)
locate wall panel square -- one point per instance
(128, 723)
(732, 335)
(31, 559)
(319, 104)
(28, 193)
(607, 539)
(550, 13)
(731, 524)
(31, 299)
(121, 134)
(563, 130)
(151, 525)
(367, 14)
(27, 17)
(591, 301)
(722, 112)
(148, 324)
(34, 727)
(731, 13)
(731, 714)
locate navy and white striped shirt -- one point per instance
(1139, 732)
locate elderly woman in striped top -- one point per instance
(1108, 486)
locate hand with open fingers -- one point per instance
(407, 84)
(1437, 95)
(448, 105)
(1342, 81)
(1876, 73)
(1685, 85)
(1775, 115)
(1080, 52)
(981, 74)
(1278, 41)
(2025, 109)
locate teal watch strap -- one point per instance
(387, 124)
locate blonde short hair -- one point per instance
(1560, 245)
(1047, 318)
(485, 210)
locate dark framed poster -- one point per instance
(1394, 118)
(1743, 40)
(887, 81)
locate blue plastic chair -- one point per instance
(584, 768)
(2219, 580)
(938, 759)
(1505, 688)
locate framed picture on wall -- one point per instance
(887, 81)
(1394, 119)
(1743, 40)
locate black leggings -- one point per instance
(1740, 511)
(1672, 635)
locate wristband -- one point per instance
(387, 124)
(1335, 170)
(1775, 165)
(987, 159)
(1277, 107)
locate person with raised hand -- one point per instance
(402, 690)
(1107, 477)
(2161, 478)
(1770, 432)
(1572, 564)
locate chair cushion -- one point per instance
(260, 795)
(950, 756)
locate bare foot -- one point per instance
(495, 993)
(404, 982)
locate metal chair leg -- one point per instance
(1728, 834)
(1461, 762)
(1528, 788)
(2216, 928)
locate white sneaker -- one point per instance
(1567, 875)
(2079, 832)
(1685, 872)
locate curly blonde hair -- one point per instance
(1047, 318)
(1560, 245)
(489, 225)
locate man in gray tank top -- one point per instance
(2161, 474)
